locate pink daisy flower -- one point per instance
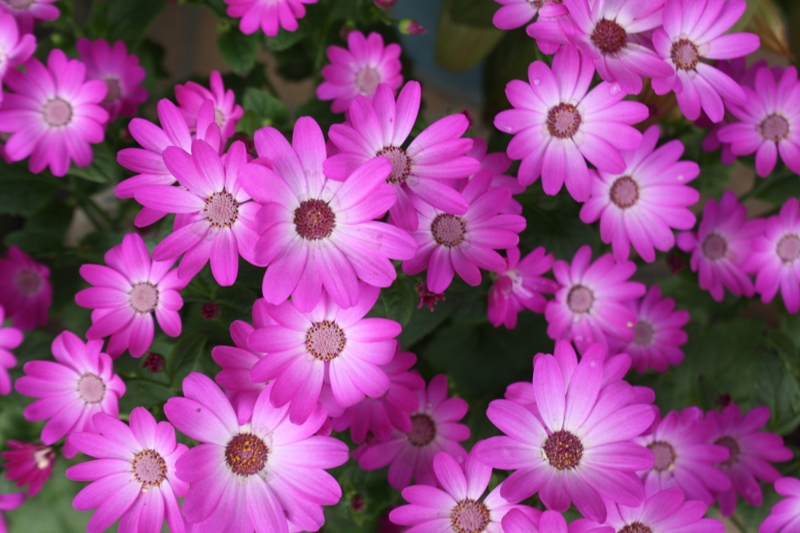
(751, 451)
(450, 243)
(16, 48)
(218, 216)
(125, 295)
(122, 74)
(227, 113)
(641, 204)
(592, 304)
(434, 428)
(10, 338)
(145, 449)
(25, 289)
(517, 521)
(359, 69)
(497, 163)
(579, 449)
(317, 232)
(558, 124)
(28, 11)
(381, 127)
(71, 390)
(692, 30)
(723, 242)
(28, 464)
(9, 502)
(785, 515)
(546, 29)
(268, 14)
(265, 475)
(520, 286)
(53, 114)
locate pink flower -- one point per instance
(579, 448)
(434, 428)
(54, 114)
(265, 475)
(558, 124)
(122, 74)
(546, 29)
(9, 502)
(359, 69)
(785, 515)
(217, 217)
(723, 242)
(317, 232)
(592, 304)
(16, 48)
(549, 522)
(450, 243)
(10, 338)
(750, 450)
(126, 293)
(192, 96)
(268, 14)
(28, 11)
(28, 464)
(145, 449)
(498, 163)
(693, 29)
(381, 127)
(25, 289)
(641, 204)
(77, 385)
(520, 286)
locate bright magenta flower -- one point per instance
(520, 286)
(227, 112)
(28, 11)
(28, 464)
(10, 338)
(25, 289)
(16, 48)
(267, 14)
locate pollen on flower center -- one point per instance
(643, 333)
(684, 54)
(27, 281)
(20, 4)
(665, 455)
(609, 37)
(149, 468)
(636, 527)
(469, 516)
(624, 192)
(91, 388)
(448, 230)
(580, 299)
(314, 220)
(325, 340)
(423, 430)
(788, 248)
(401, 164)
(563, 450)
(732, 445)
(367, 79)
(57, 112)
(144, 297)
(563, 121)
(774, 128)
(221, 209)
(246, 454)
(715, 246)
(114, 92)
(219, 118)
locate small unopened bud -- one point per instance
(210, 310)
(468, 115)
(411, 27)
(724, 400)
(675, 263)
(153, 362)
(426, 297)
(357, 503)
(385, 4)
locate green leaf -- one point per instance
(776, 190)
(286, 39)
(24, 193)
(104, 167)
(129, 21)
(473, 12)
(270, 110)
(399, 300)
(238, 50)
(186, 355)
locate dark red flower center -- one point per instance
(314, 220)
(401, 164)
(563, 121)
(774, 128)
(563, 450)
(221, 209)
(788, 248)
(580, 299)
(732, 445)
(624, 192)
(448, 230)
(664, 455)
(715, 246)
(144, 297)
(643, 333)
(684, 54)
(636, 527)
(367, 79)
(423, 430)
(609, 37)
(246, 454)
(91, 388)
(469, 516)
(114, 91)
(325, 340)
(149, 468)
(27, 282)
(57, 112)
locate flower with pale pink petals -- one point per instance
(10, 338)
(227, 112)
(269, 15)
(28, 464)
(25, 289)
(546, 29)
(520, 286)
(16, 47)
(785, 515)
(28, 11)
(517, 521)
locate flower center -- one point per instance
(401, 164)
(563, 121)
(246, 454)
(221, 210)
(609, 37)
(580, 299)
(563, 449)
(715, 246)
(149, 468)
(144, 297)
(44, 458)
(219, 118)
(448, 230)
(114, 92)
(624, 192)
(636, 527)
(19, 4)
(774, 128)
(91, 389)
(664, 454)
(469, 516)
(27, 282)
(423, 430)
(57, 112)
(732, 446)
(314, 220)
(643, 333)
(367, 79)
(684, 54)
(325, 340)
(788, 248)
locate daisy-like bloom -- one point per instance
(28, 11)
(380, 127)
(592, 304)
(227, 112)
(122, 74)
(25, 289)
(218, 216)
(317, 232)
(257, 475)
(558, 124)
(520, 286)
(657, 333)
(9, 502)
(641, 204)
(359, 69)
(546, 29)
(616, 37)
(16, 48)
(133, 477)
(267, 14)
(723, 242)
(434, 429)
(693, 30)
(392, 410)
(579, 448)
(497, 163)
(10, 338)
(450, 243)
(326, 348)
(459, 506)
(126, 292)
(785, 515)
(54, 114)
(517, 521)
(71, 390)
(28, 464)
